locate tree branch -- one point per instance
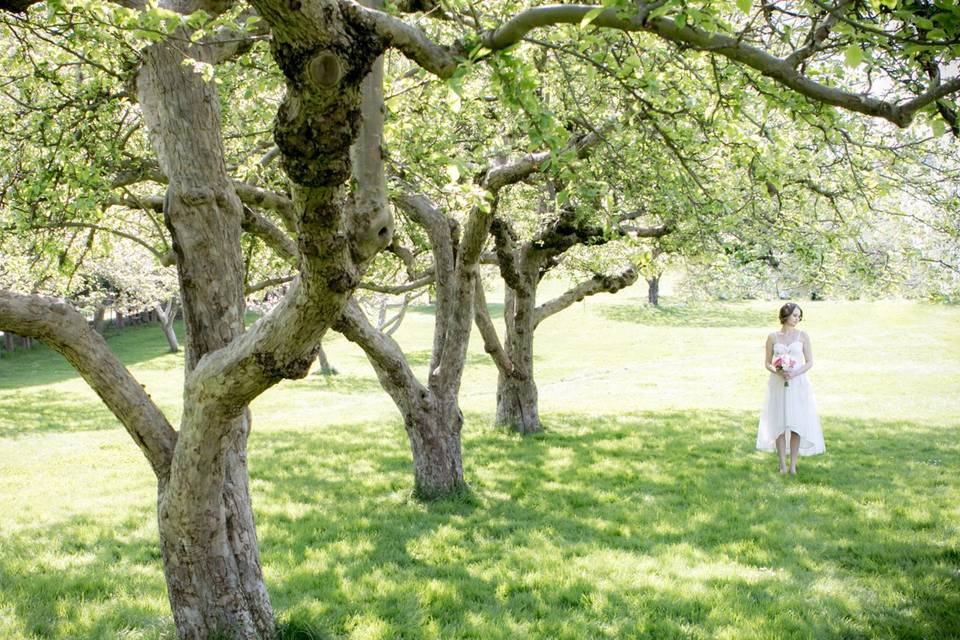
(818, 33)
(442, 233)
(165, 258)
(266, 199)
(504, 240)
(384, 354)
(406, 38)
(60, 326)
(783, 71)
(266, 284)
(275, 238)
(498, 176)
(491, 341)
(597, 284)
(401, 288)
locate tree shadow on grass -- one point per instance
(38, 412)
(659, 525)
(85, 578)
(689, 315)
(133, 345)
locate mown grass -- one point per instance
(642, 512)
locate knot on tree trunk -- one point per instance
(324, 70)
(293, 369)
(371, 231)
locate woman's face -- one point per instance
(794, 318)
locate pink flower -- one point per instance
(784, 362)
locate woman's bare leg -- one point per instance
(794, 451)
(781, 452)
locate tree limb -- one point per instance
(442, 233)
(266, 284)
(440, 61)
(266, 199)
(400, 288)
(597, 284)
(491, 341)
(165, 258)
(498, 176)
(406, 38)
(60, 326)
(817, 35)
(504, 240)
(383, 352)
(275, 238)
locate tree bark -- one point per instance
(166, 317)
(433, 426)
(653, 290)
(99, 318)
(517, 401)
(518, 404)
(207, 535)
(209, 547)
(432, 419)
(325, 368)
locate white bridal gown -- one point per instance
(790, 407)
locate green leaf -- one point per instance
(852, 55)
(591, 16)
(744, 5)
(938, 126)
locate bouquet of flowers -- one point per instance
(784, 362)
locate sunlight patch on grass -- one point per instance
(642, 512)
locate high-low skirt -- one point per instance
(790, 408)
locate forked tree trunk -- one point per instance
(167, 316)
(432, 419)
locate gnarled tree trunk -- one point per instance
(522, 268)
(207, 535)
(434, 429)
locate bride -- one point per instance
(789, 408)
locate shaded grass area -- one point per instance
(661, 525)
(616, 523)
(42, 365)
(677, 314)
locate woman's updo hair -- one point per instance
(787, 310)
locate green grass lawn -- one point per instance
(642, 512)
